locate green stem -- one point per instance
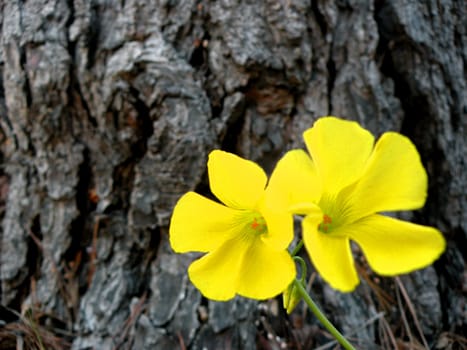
(303, 268)
(297, 248)
(320, 316)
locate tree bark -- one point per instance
(109, 109)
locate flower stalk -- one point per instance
(321, 317)
(297, 248)
(297, 291)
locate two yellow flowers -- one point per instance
(340, 187)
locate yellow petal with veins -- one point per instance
(247, 267)
(394, 179)
(237, 182)
(339, 149)
(330, 254)
(266, 272)
(294, 184)
(393, 246)
(217, 273)
(199, 224)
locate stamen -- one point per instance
(258, 225)
(324, 226)
(255, 224)
(327, 219)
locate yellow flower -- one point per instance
(245, 239)
(341, 189)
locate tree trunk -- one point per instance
(109, 109)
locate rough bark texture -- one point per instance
(109, 109)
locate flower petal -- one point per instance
(294, 183)
(330, 254)
(340, 150)
(237, 182)
(216, 274)
(394, 178)
(200, 224)
(266, 272)
(246, 267)
(280, 229)
(393, 246)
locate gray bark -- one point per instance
(109, 109)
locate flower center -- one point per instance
(258, 225)
(326, 225)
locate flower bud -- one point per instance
(291, 296)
